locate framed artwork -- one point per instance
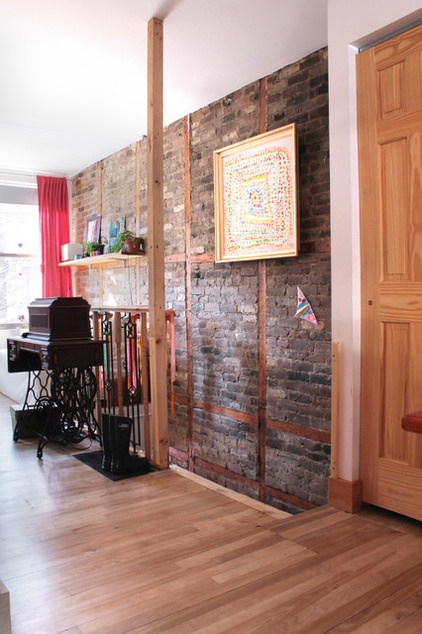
(93, 227)
(116, 227)
(256, 211)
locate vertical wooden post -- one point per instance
(188, 287)
(262, 332)
(158, 339)
(100, 213)
(137, 265)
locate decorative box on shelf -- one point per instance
(70, 250)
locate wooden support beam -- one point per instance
(188, 287)
(138, 217)
(155, 248)
(262, 332)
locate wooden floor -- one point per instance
(162, 553)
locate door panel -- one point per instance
(393, 159)
(396, 346)
(390, 171)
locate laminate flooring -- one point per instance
(167, 553)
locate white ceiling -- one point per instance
(73, 72)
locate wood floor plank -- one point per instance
(403, 610)
(164, 553)
(258, 598)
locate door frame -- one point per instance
(351, 30)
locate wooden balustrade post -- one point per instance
(145, 384)
(117, 331)
(96, 333)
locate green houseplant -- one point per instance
(128, 243)
(93, 247)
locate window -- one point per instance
(20, 262)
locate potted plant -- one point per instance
(128, 243)
(93, 248)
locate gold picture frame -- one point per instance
(256, 210)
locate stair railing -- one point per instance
(124, 378)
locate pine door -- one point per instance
(390, 167)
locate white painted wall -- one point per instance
(351, 25)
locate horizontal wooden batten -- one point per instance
(208, 467)
(179, 455)
(250, 419)
(203, 257)
(302, 432)
(230, 475)
(195, 258)
(181, 399)
(175, 257)
(288, 498)
(240, 417)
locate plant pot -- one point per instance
(133, 246)
(98, 250)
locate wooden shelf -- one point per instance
(99, 260)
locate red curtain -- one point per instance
(53, 205)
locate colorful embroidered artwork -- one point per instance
(258, 210)
(256, 215)
(304, 309)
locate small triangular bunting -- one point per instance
(304, 309)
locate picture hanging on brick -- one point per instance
(255, 197)
(116, 227)
(93, 228)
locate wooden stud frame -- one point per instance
(256, 211)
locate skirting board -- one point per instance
(345, 494)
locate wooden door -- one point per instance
(390, 169)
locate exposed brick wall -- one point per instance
(118, 180)
(258, 425)
(174, 189)
(84, 201)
